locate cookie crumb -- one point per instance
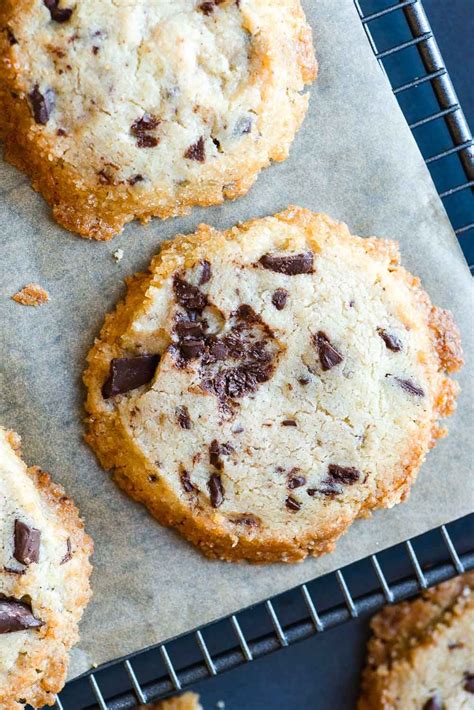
(31, 295)
(118, 255)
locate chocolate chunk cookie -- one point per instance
(261, 427)
(44, 580)
(123, 110)
(421, 654)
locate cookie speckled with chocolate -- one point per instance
(421, 653)
(124, 110)
(44, 580)
(271, 398)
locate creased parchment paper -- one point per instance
(355, 159)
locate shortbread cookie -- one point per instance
(421, 654)
(261, 388)
(123, 110)
(44, 580)
(187, 701)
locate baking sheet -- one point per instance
(355, 159)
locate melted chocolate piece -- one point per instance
(289, 265)
(238, 381)
(391, 340)
(329, 356)
(296, 482)
(135, 178)
(191, 348)
(183, 418)
(343, 474)
(196, 151)
(292, 504)
(16, 616)
(188, 296)
(288, 422)
(410, 387)
(128, 373)
(141, 129)
(42, 104)
(27, 543)
(433, 703)
(58, 14)
(304, 380)
(279, 298)
(468, 682)
(68, 555)
(186, 482)
(214, 455)
(216, 490)
(205, 272)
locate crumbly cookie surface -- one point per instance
(44, 580)
(261, 388)
(421, 653)
(132, 110)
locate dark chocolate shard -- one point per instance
(27, 543)
(289, 265)
(468, 684)
(196, 151)
(188, 296)
(343, 474)
(288, 422)
(191, 348)
(304, 380)
(433, 703)
(42, 104)
(292, 504)
(216, 490)
(128, 373)
(11, 37)
(279, 298)
(410, 387)
(58, 14)
(142, 130)
(246, 519)
(183, 418)
(296, 482)
(206, 7)
(391, 340)
(135, 178)
(205, 272)
(68, 555)
(329, 356)
(16, 616)
(186, 482)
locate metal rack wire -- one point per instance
(244, 649)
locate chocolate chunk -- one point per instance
(215, 451)
(186, 482)
(296, 482)
(304, 380)
(217, 351)
(68, 555)
(183, 418)
(27, 543)
(288, 422)
(11, 37)
(243, 126)
(238, 381)
(58, 14)
(141, 129)
(153, 477)
(128, 373)
(42, 104)
(216, 490)
(329, 356)
(455, 645)
(410, 387)
(196, 151)
(279, 298)
(189, 329)
(135, 178)
(433, 703)
(343, 474)
(392, 341)
(245, 519)
(468, 682)
(292, 504)
(16, 616)
(207, 7)
(191, 348)
(188, 296)
(205, 272)
(289, 265)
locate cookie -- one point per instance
(44, 580)
(421, 653)
(261, 388)
(187, 701)
(121, 110)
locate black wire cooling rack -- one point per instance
(420, 81)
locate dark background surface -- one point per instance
(323, 672)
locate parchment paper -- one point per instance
(355, 159)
